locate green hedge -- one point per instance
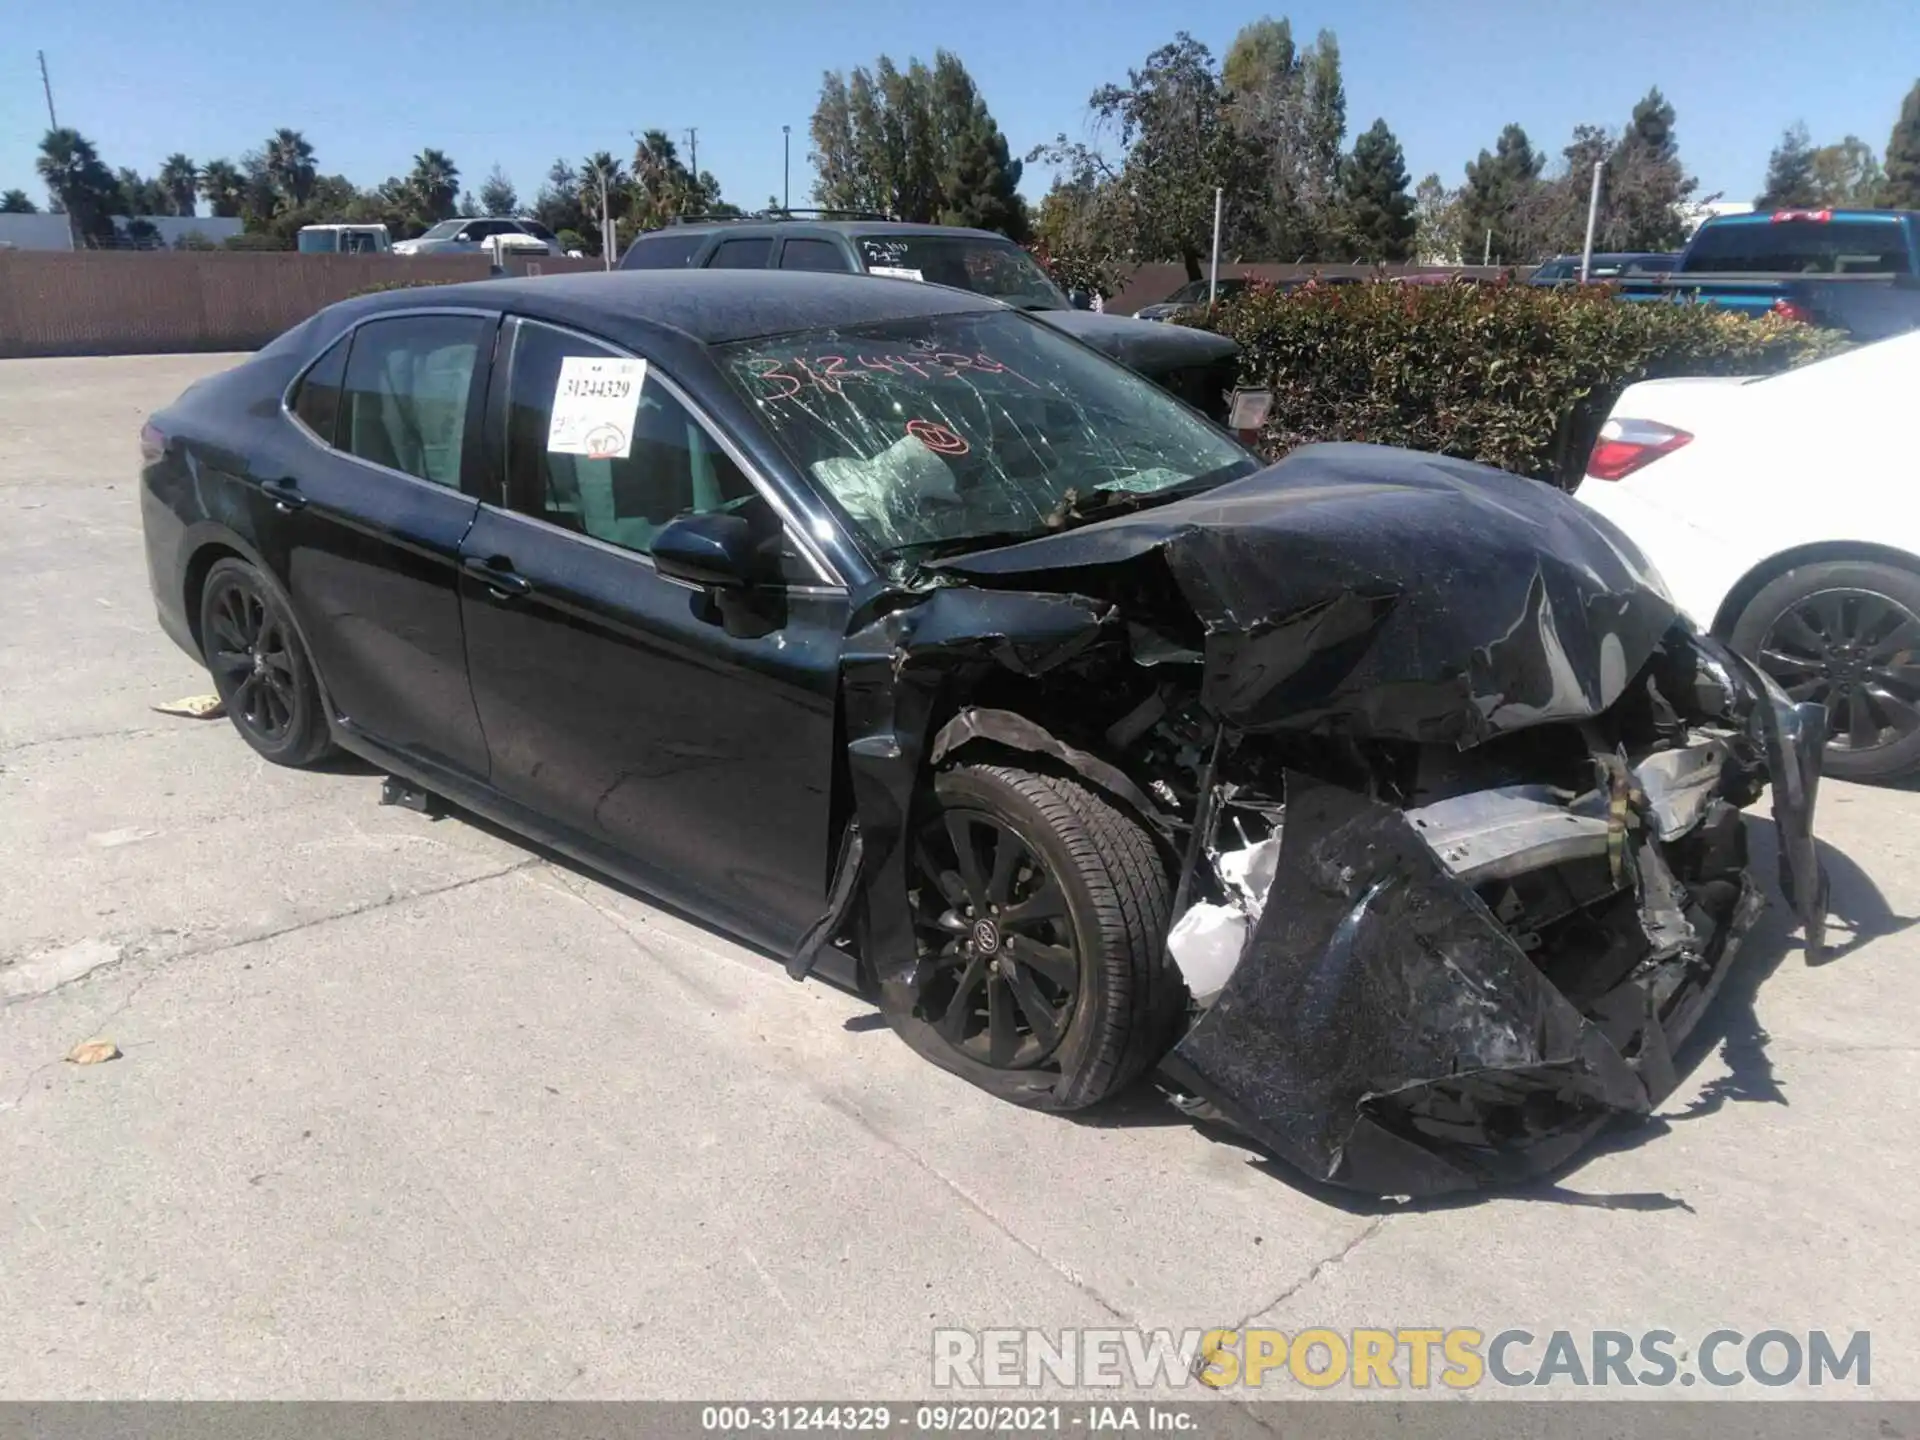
(1510, 375)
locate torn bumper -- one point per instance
(1388, 1031)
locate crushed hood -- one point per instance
(1142, 345)
(1379, 592)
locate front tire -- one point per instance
(260, 667)
(1846, 633)
(1041, 915)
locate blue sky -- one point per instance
(372, 81)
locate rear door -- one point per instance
(366, 529)
(616, 704)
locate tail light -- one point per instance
(1625, 446)
(153, 444)
(1793, 310)
(1822, 217)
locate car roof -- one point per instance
(752, 226)
(712, 307)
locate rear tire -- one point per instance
(1048, 982)
(260, 667)
(1846, 633)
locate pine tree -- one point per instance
(1791, 182)
(1645, 182)
(1902, 188)
(497, 195)
(1375, 215)
(979, 179)
(1497, 201)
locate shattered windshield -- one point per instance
(997, 268)
(956, 431)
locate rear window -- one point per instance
(1802, 247)
(665, 251)
(746, 253)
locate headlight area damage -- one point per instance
(1450, 790)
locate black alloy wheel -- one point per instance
(247, 651)
(991, 921)
(1846, 634)
(260, 668)
(1858, 654)
(1039, 911)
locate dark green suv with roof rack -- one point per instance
(1195, 365)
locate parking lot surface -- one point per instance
(409, 1109)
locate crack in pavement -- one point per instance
(165, 964)
(132, 732)
(1319, 1267)
(1059, 1267)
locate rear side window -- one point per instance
(662, 251)
(317, 398)
(746, 253)
(813, 255)
(536, 229)
(1802, 247)
(408, 390)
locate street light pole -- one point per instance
(786, 167)
(1593, 213)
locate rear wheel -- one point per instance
(1040, 915)
(1846, 633)
(259, 666)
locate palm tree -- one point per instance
(435, 183)
(85, 188)
(665, 187)
(290, 165)
(223, 187)
(180, 178)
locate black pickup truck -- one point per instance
(1851, 270)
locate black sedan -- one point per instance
(1383, 802)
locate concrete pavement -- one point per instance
(408, 1109)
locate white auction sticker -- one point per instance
(895, 272)
(594, 405)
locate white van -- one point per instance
(344, 240)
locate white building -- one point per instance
(1696, 213)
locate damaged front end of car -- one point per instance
(1458, 991)
(1451, 794)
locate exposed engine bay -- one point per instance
(1451, 793)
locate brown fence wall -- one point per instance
(108, 302)
(119, 302)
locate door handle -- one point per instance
(285, 494)
(499, 577)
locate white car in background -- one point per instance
(475, 234)
(1784, 515)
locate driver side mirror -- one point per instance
(715, 551)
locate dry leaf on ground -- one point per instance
(195, 707)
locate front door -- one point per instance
(367, 521)
(615, 702)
